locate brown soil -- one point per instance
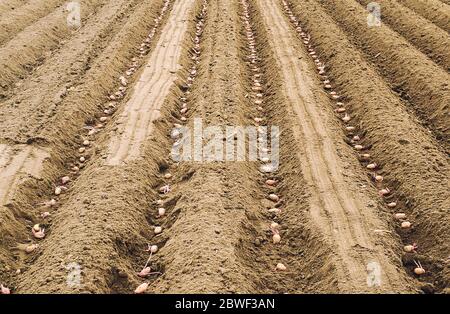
(409, 157)
(412, 75)
(15, 21)
(424, 35)
(7, 6)
(227, 62)
(434, 10)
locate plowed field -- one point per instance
(94, 197)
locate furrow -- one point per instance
(412, 75)
(279, 235)
(23, 16)
(33, 194)
(154, 84)
(334, 207)
(402, 149)
(42, 96)
(433, 10)
(102, 242)
(427, 37)
(208, 198)
(33, 45)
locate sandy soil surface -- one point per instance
(93, 200)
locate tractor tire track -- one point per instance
(103, 242)
(210, 200)
(336, 210)
(136, 120)
(301, 245)
(33, 191)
